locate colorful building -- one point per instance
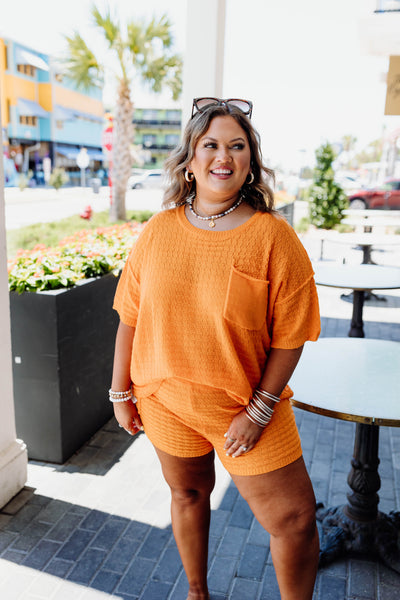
(45, 119)
(157, 132)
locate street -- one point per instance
(44, 205)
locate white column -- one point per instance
(13, 454)
(204, 55)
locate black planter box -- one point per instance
(63, 347)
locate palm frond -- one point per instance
(164, 70)
(135, 40)
(111, 28)
(80, 63)
(159, 29)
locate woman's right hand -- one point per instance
(128, 417)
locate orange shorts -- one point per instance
(188, 421)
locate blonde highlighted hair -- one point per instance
(258, 194)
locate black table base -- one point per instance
(357, 325)
(343, 535)
(358, 526)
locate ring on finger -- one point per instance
(231, 439)
(243, 448)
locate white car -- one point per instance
(147, 179)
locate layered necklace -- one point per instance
(211, 218)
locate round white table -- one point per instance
(355, 380)
(360, 279)
(366, 241)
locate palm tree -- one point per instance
(142, 49)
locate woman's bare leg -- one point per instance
(283, 502)
(191, 481)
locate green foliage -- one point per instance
(58, 178)
(303, 225)
(23, 180)
(140, 216)
(327, 199)
(136, 46)
(50, 234)
(87, 253)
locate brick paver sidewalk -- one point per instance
(98, 526)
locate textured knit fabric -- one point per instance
(207, 306)
(204, 416)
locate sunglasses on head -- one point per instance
(200, 104)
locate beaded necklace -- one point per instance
(211, 218)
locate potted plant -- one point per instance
(62, 330)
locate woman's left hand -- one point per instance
(242, 435)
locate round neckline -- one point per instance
(211, 234)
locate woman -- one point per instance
(215, 302)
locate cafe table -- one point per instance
(360, 279)
(366, 241)
(357, 380)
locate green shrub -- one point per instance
(58, 178)
(303, 225)
(23, 180)
(327, 199)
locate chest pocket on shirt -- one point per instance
(246, 300)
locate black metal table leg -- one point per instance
(359, 526)
(357, 325)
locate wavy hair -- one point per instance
(258, 194)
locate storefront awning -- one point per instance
(63, 114)
(29, 108)
(68, 151)
(96, 154)
(72, 153)
(24, 57)
(84, 115)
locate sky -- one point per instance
(302, 63)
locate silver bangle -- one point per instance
(267, 395)
(258, 411)
(119, 396)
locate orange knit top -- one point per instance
(207, 306)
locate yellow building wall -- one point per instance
(72, 99)
(18, 87)
(45, 96)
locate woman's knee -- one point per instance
(187, 497)
(296, 520)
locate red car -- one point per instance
(386, 196)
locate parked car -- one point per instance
(146, 179)
(385, 196)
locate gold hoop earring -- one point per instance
(251, 178)
(189, 176)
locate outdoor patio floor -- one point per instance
(98, 526)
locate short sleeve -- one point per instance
(294, 308)
(296, 319)
(126, 299)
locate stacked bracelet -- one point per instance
(120, 396)
(258, 411)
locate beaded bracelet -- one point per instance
(258, 411)
(119, 396)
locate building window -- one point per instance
(150, 115)
(6, 57)
(27, 70)
(149, 140)
(8, 111)
(172, 139)
(173, 115)
(31, 121)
